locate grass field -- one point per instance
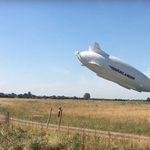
(128, 117)
(27, 138)
(32, 138)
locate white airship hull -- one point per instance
(114, 69)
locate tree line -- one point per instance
(30, 95)
(86, 96)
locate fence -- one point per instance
(97, 133)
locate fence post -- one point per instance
(49, 117)
(59, 116)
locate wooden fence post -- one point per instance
(49, 117)
(59, 116)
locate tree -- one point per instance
(148, 99)
(53, 97)
(2, 94)
(86, 96)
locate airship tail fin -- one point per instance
(97, 49)
(90, 48)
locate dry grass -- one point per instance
(129, 117)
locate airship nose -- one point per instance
(84, 57)
(81, 56)
(77, 53)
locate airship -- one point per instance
(113, 69)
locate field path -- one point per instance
(92, 132)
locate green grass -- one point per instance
(29, 138)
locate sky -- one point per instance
(38, 40)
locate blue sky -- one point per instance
(38, 40)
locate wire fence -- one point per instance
(96, 133)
